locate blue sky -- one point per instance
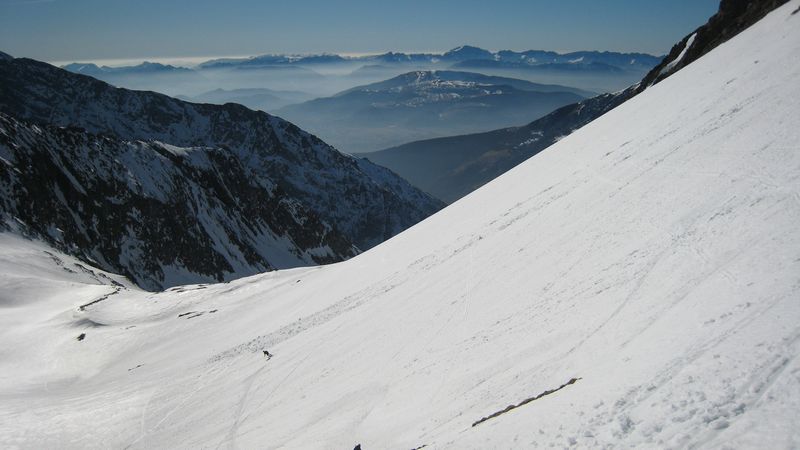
(68, 30)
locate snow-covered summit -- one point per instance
(636, 284)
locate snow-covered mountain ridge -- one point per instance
(464, 53)
(159, 214)
(355, 200)
(324, 180)
(653, 257)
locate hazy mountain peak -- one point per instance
(84, 68)
(425, 103)
(466, 52)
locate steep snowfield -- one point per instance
(654, 256)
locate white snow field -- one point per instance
(654, 256)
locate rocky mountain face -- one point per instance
(733, 17)
(452, 167)
(422, 104)
(305, 183)
(158, 214)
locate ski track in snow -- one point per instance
(231, 436)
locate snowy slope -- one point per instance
(653, 256)
(37, 284)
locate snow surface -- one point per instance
(668, 68)
(653, 255)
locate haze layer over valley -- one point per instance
(368, 103)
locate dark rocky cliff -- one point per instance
(159, 214)
(272, 151)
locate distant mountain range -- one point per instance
(169, 192)
(195, 82)
(144, 68)
(596, 67)
(326, 74)
(148, 76)
(460, 54)
(452, 167)
(425, 104)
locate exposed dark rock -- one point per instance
(155, 213)
(169, 192)
(733, 17)
(344, 193)
(525, 402)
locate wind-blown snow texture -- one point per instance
(653, 257)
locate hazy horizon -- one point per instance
(191, 61)
(95, 30)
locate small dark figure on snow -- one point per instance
(267, 355)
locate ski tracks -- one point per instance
(708, 404)
(230, 438)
